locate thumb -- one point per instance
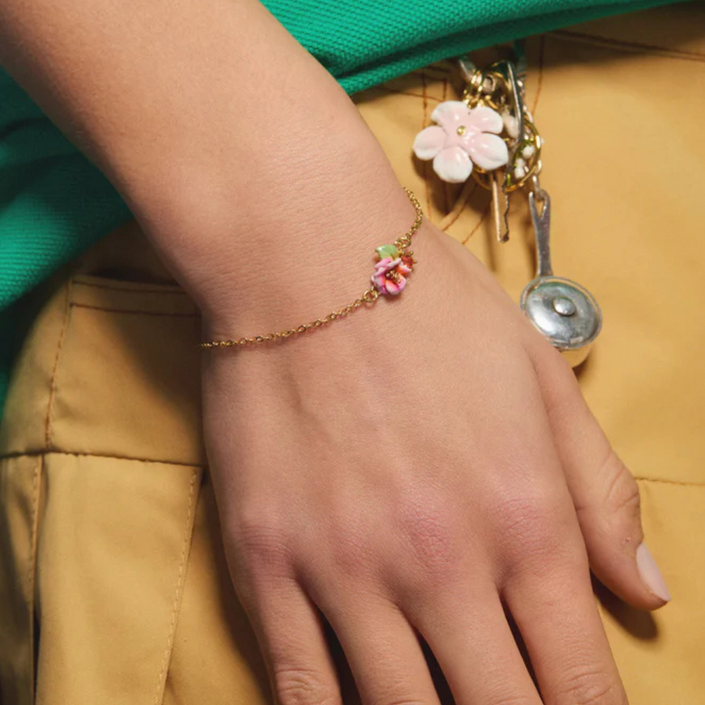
(605, 495)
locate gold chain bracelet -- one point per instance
(396, 262)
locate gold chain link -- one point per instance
(368, 297)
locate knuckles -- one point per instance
(622, 494)
(261, 543)
(530, 529)
(304, 686)
(415, 543)
(435, 542)
(590, 687)
(422, 540)
(351, 548)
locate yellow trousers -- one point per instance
(113, 584)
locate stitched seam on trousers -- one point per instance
(459, 205)
(433, 71)
(137, 290)
(178, 592)
(681, 483)
(36, 453)
(34, 539)
(52, 385)
(478, 224)
(135, 311)
(634, 47)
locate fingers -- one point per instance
(554, 608)
(381, 648)
(292, 640)
(545, 584)
(605, 495)
(475, 648)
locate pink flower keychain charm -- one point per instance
(462, 138)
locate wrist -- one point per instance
(303, 241)
(318, 279)
(380, 318)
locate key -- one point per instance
(500, 204)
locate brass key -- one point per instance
(500, 205)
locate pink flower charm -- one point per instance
(462, 137)
(388, 277)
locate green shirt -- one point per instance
(54, 203)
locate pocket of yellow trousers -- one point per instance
(110, 368)
(100, 475)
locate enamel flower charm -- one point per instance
(463, 137)
(392, 269)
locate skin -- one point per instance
(409, 472)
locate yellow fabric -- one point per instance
(109, 539)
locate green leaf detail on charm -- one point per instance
(387, 251)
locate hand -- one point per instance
(413, 470)
(410, 470)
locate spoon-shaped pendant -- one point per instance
(566, 313)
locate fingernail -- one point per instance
(650, 574)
